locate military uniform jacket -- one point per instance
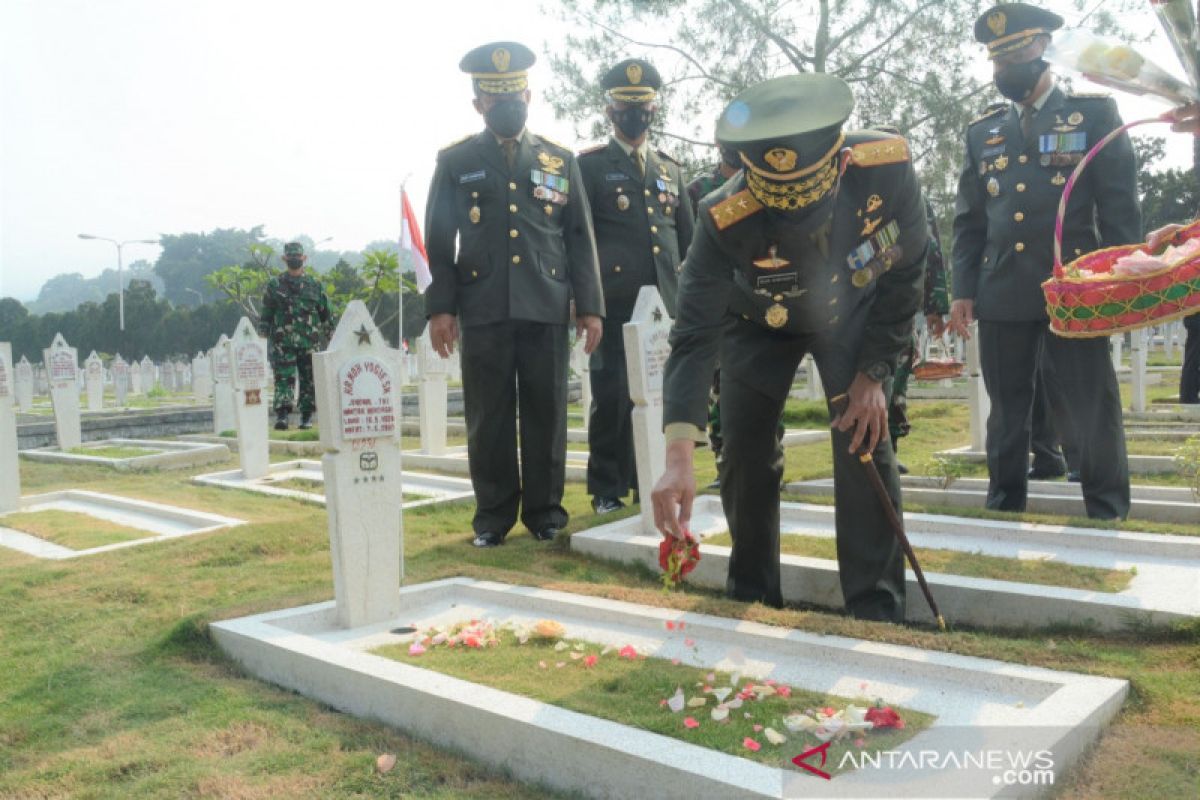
(643, 224)
(524, 239)
(1008, 196)
(807, 284)
(295, 312)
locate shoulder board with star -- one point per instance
(457, 142)
(989, 112)
(734, 209)
(893, 150)
(667, 157)
(596, 148)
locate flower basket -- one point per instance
(1086, 299)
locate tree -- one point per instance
(1167, 196)
(188, 258)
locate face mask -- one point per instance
(506, 118)
(1017, 81)
(294, 263)
(632, 122)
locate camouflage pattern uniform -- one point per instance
(295, 317)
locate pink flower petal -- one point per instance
(783, 691)
(627, 652)
(689, 642)
(757, 727)
(670, 625)
(675, 662)
(679, 624)
(416, 649)
(860, 742)
(542, 665)
(750, 744)
(711, 677)
(589, 661)
(690, 722)
(769, 682)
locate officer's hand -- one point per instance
(1187, 119)
(676, 489)
(865, 413)
(936, 324)
(962, 314)
(590, 324)
(443, 333)
(1158, 238)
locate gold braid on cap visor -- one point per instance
(500, 83)
(796, 194)
(633, 94)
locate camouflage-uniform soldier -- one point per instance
(295, 316)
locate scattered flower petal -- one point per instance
(589, 661)
(675, 662)
(548, 629)
(799, 722)
(884, 717)
(722, 693)
(783, 691)
(580, 647)
(677, 701)
(384, 763)
(735, 703)
(416, 649)
(628, 652)
(679, 625)
(689, 642)
(757, 728)
(558, 648)
(690, 722)
(671, 626)
(860, 742)
(576, 656)
(774, 736)
(542, 665)
(711, 677)
(751, 744)
(720, 713)
(560, 665)
(697, 702)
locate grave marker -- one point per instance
(201, 378)
(248, 368)
(224, 418)
(168, 377)
(149, 378)
(647, 348)
(93, 380)
(1137, 363)
(358, 402)
(977, 396)
(10, 473)
(61, 362)
(431, 396)
(24, 385)
(120, 376)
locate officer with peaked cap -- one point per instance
(818, 246)
(1018, 158)
(643, 223)
(510, 245)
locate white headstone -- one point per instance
(1168, 334)
(977, 397)
(201, 378)
(814, 389)
(431, 397)
(1137, 363)
(358, 405)
(149, 377)
(10, 472)
(168, 376)
(248, 366)
(646, 351)
(120, 376)
(1117, 342)
(93, 379)
(224, 418)
(24, 385)
(41, 381)
(62, 367)
(135, 378)
(581, 366)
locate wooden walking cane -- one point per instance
(876, 481)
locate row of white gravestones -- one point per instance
(431, 396)
(202, 386)
(61, 362)
(646, 348)
(224, 418)
(357, 384)
(813, 389)
(978, 402)
(23, 385)
(93, 379)
(10, 475)
(149, 375)
(581, 366)
(249, 374)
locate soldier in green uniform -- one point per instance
(295, 318)
(817, 246)
(509, 238)
(643, 224)
(1018, 157)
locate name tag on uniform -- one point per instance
(861, 256)
(988, 152)
(471, 177)
(616, 176)
(786, 283)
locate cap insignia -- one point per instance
(997, 21)
(781, 159)
(634, 73)
(500, 59)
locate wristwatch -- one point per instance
(878, 371)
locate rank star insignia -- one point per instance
(364, 335)
(873, 203)
(1002, 162)
(656, 315)
(870, 226)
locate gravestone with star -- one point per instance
(431, 396)
(248, 371)
(24, 385)
(647, 349)
(61, 362)
(120, 377)
(358, 405)
(223, 416)
(93, 379)
(10, 475)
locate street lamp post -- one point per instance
(120, 267)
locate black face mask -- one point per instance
(294, 263)
(506, 118)
(1017, 81)
(632, 122)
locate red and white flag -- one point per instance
(410, 240)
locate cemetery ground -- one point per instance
(112, 686)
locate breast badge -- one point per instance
(777, 316)
(993, 187)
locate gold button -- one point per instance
(512, 207)
(654, 229)
(1020, 187)
(1020, 247)
(649, 210)
(778, 298)
(617, 268)
(1019, 216)
(474, 274)
(513, 233)
(474, 194)
(512, 186)
(516, 259)
(1078, 252)
(1023, 159)
(553, 272)
(833, 302)
(656, 249)
(647, 192)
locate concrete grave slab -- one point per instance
(1138, 465)
(437, 488)
(976, 700)
(1165, 589)
(160, 522)
(1150, 503)
(167, 455)
(454, 461)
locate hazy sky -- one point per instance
(131, 118)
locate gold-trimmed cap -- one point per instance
(633, 80)
(1008, 27)
(499, 67)
(787, 132)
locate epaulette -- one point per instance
(733, 209)
(1089, 95)
(989, 112)
(893, 150)
(596, 148)
(457, 142)
(548, 140)
(667, 157)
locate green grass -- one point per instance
(971, 565)
(630, 691)
(71, 529)
(112, 452)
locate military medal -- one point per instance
(777, 316)
(549, 209)
(993, 187)
(552, 164)
(622, 202)
(873, 203)
(1075, 118)
(1058, 179)
(870, 226)
(861, 278)
(474, 213)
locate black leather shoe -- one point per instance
(903, 470)
(1039, 474)
(716, 484)
(1073, 476)
(606, 505)
(305, 421)
(281, 421)
(546, 534)
(488, 539)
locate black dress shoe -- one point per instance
(546, 534)
(488, 539)
(1040, 474)
(716, 484)
(903, 470)
(1073, 476)
(305, 421)
(281, 421)
(606, 505)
